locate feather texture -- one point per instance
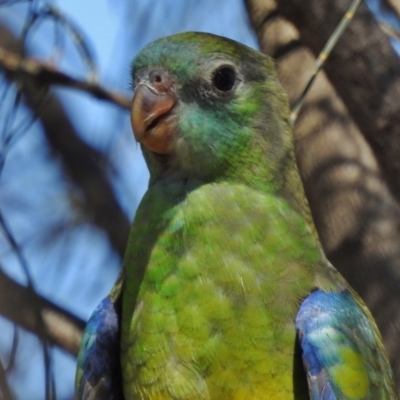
(341, 352)
(98, 375)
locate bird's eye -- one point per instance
(224, 78)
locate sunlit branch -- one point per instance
(20, 305)
(46, 74)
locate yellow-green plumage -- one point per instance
(220, 255)
(215, 315)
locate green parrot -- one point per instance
(226, 292)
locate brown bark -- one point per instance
(356, 216)
(363, 68)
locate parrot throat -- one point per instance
(158, 164)
(280, 178)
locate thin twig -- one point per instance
(324, 54)
(390, 30)
(4, 387)
(39, 14)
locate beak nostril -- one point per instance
(156, 76)
(160, 80)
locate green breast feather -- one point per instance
(214, 314)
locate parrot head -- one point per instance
(209, 108)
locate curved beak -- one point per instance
(151, 118)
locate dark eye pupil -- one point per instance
(224, 79)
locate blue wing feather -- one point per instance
(341, 349)
(98, 373)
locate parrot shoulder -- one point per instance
(342, 353)
(98, 373)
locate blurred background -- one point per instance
(71, 174)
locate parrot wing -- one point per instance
(98, 374)
(341, 352)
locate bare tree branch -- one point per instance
(20, 305)
(46, 74)
(4, 387)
